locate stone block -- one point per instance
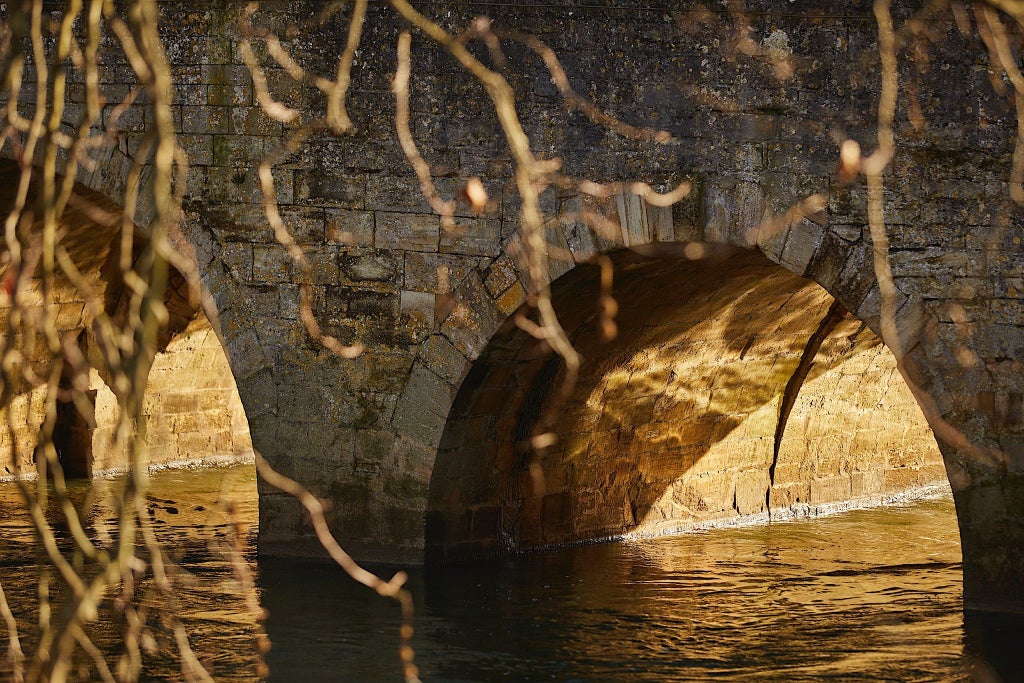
(417, 308)
(511, 299)
(1008, 311)
(382, 306)
(373, 445)
(473, 237)
(500, 276)
(236, 94)
(380, 266)
(436, 273)
(271, 264)
(422, 410)
(246, 121)
(856, 279)
(399, 194)
(933, 262)
(734, 214)
(244, 352)
(238, 256)
(557, 257)
(234, 151)
(135, 118)
(829, 490)
(349, 228)
(413, 458)
(196, 183)
(199, 149)
(473, 319)
(803, 239)
(867, 483)
(206, 120)
(304, 224)
(633, 219)
(408, 231)
(332, 189)
(660, 220)
(441, 356)
(580, 238)
(321, 265)
(237, 185)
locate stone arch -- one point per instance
(192, 410)
(480, 302)
(672, 425)
(736, 215)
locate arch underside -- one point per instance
(675, 423)
(192, 408)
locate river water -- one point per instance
(864, 595)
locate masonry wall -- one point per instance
(424, 300)
(192, 410)
(756, 105)
(755, 131)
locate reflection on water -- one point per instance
(194, 530)
(867, 595)
(871, 594)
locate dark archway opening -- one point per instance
(73, 431)
(675, 423)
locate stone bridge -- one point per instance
(746, 380)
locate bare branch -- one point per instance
(400, 87)
(528, 173)
(994, 35)
(14, 654)
(580, 103)
(337, 114)
(874, 166)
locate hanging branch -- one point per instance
(874, 168)
(530, 174)
(400, 88)
(337, 114)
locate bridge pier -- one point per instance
(991, 519)
(971, 382)
(989, 500)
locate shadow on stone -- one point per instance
(673, 423)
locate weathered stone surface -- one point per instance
(472, 237)
(671, 425)
(752, 142)
(352, 228)
(415, 232)
(373, 267)
(424, 407)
